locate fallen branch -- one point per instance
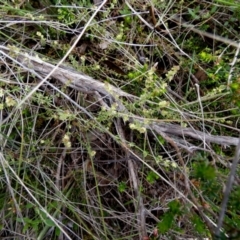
(65, 75)
(87, 84)
(174, 129)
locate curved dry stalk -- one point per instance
(228, 189)
(139, 206)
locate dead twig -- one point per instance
(139, 206)
(228, 189)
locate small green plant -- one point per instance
(235, 87)
(194, 13)
(152, 177)
(199, 225)
(206, 56)
(204, 171)
(66, 15)
(122, 186)
(169, 217)
(126, 12)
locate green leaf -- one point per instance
(168, 217)
(57, 231)
(166, 222)
(49, 222)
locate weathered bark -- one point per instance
(87, 84)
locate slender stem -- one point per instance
(228, 189)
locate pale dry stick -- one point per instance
(59, 167)
(233, 64)
(12, 22)
(61, 61)
(61, 79)
(174, 129)
(139, 207)
(66, 75)
(185, 116)
(59, 186)
(5, 164)
(228, 189)
(201, 107)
